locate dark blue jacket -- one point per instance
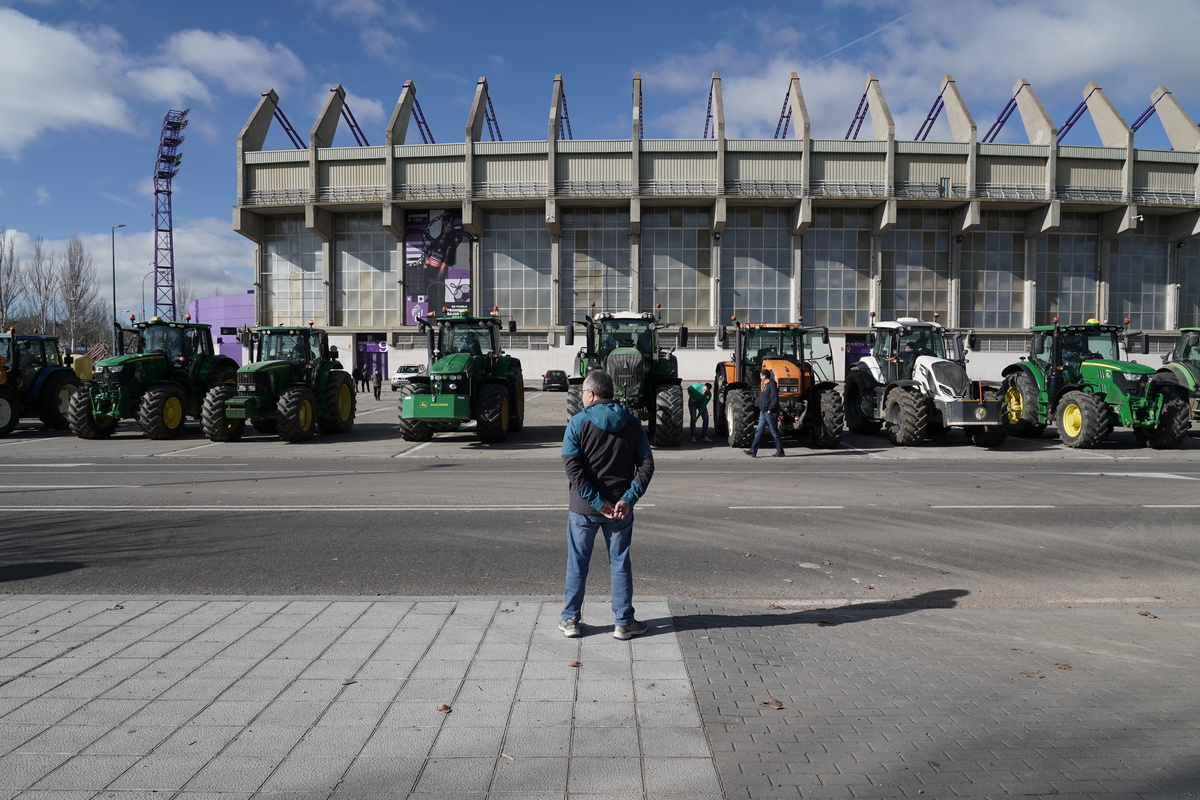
(768, 398)
(607, 457)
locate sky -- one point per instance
(86, 84)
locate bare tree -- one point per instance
(10, 279)
(184, 295)
(41, 282)
(78, 294)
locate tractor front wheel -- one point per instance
(516, 399)
(10, 409)
(860, 409)
(216, 425)
(831, 418)
(668, 416)
(83, 423)
(412, 430)
(341, 403)
(163, 411)
(574, 399)
(1082, 420)
(492, 413)
(1021, 406)
(1174, 420)
(741, 418)
(296, 414)
(56, 399)
(906, 416)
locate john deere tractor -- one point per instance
(1074, 377)
(1182, 367)
(469, 378)
(294, 386)
(802, 362)
(160, 376)
(35, 380)
(914, 385)
(645, 378)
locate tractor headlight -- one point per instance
(1131, 383)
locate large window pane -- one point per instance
(365, 275)
(516, 266)
(677, 263)
(595, 262)
(1066, 271)
(993, 272)
(756, 266)
(1137, 275)
(916, 265)
(293, 273)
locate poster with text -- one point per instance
(437, 264)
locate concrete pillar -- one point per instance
(1180, 127)
(885, 130)
(320, 223)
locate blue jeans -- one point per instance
(581, 535)
(700, 411)
(767, 419)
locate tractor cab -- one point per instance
(24, 356)
(1187, 349)
(900, 345)
(1061, 351)
(301, 348)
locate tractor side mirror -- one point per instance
(333, 351)
(569, 335)
(871, 340)
(825, 336)
(683, 335)
(512, 326)
(1193, 339)
(972, 341)
(722, 336)
(1145, 344)
(1038, 344)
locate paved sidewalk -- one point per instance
(299, 698)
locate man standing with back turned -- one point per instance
(609, 464)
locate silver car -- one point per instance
(404, 372)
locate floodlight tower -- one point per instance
(165, 168)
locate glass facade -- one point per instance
(677, 263)
(756, 266)
(1189, 284)
(835, 257)
(293, 273)
(992, 286)
(595, 262)
(516, 266)
(1137, 276)
(364, 272)
(1067, 265)
(916, 266)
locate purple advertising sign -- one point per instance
(437, 264)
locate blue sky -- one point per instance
(87, 82)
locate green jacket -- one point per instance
(699, 395)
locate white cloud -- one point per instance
(169, 84)
(42, 196)
(242, 64)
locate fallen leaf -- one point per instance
(774, 704)
(977, 486)
(506, 755)
(787, 580)
(868, 586)
(1030, 674)
(827, 563)
(1063, 666)
(1123, 577)
(943, 572)
(574, 663)
(749, 555)
(117, 607)
(445, 709)
(1148, 614)
(774, 605)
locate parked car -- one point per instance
(404, 372)
(555, 379)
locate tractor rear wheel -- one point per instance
(83, 423)
(1082, 420)
(741, 417)
(574, 399)
(296, 414)
(56, 399)
(10, 409)
(163, 411)
(668, 416)
(412, 430)
(492, 413)
(516, 399)
(341, 403)
(1174, 420)
(218, 427)
(906, 416)
(720, 426)
(860, 409)
(1021, 402)
(988, 435)
(830, 419)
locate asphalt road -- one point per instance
(1031, 524)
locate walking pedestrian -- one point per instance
(356, 373)
(364, 375)
(377, 382)
(698, 397)
(768, 415)
(609, 465)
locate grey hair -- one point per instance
(599, 383)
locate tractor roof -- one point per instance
(908, 322)
(292, 330)
(28, 336)
(1090, 325)
(631, 316)
(154, 321)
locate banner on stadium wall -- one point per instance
(437, 264)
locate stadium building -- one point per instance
(995, 237)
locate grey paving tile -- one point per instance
(326, 741)
(264, 740)
(402, 743)
(524, 741)
(389, 776)
(66, 739)
(198, 740)
(131, 740)
(159, 773)
(526, 776)
(227, 773)
(91, 772)
(606, 776)
(22, 770)
(456, 776)
(606, 742)
(467, 741)
(308, 774)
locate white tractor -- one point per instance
(914, 385)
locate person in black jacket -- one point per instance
(768, 415)
(609, 464)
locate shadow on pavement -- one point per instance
(41, 569)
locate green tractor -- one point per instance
(1181, 367)
(645, 378)
(160, 375)
(469, 378)
(1074, 377)
(35, 380)
(294, 386)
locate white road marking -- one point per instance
(1021, 505)
(66, 488)
(782, 508)
(266, 508)
(1171, 506)
(49, 466)
(1162, 475)
(186, 450)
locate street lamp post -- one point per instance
(113, 232)
(147, 275)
